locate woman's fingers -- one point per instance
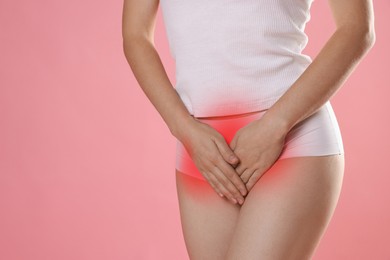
(226, 152)
(223, 185)
(231, 174)
(253, 179)
(221, 190)
(213, 157)
(212, 181)
(220, 183)
(225, 164)
(240, 169)
(246, 175)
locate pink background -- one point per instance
(87, 163)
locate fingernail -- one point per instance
(220, 194)
(243, 192)
(240, 201)
(234, 200)
(233, 158)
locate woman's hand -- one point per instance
(257, 145)
(213, 158)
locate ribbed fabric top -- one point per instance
(235, 56)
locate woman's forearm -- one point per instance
(151, 76)
(322, 78)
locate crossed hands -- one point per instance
(232, 170)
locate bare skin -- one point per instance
(283, 217)
(138, 45)
(269, 223)
(352, 39)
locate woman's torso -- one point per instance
(235, 56)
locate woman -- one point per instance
(252, 118)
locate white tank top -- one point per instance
(235, 56)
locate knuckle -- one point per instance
(213, 158)
(206, 165)
(214, 186)
(232, 189)
(224, 182)
(256, 173)
(229, 172)
(233, 193)
(218, 136)
(210, 177)
(256, 165)
(217, 184)
(239, 184)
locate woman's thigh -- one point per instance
(207, 220)
(287, 211)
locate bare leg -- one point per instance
(286, 213)
(207, 220)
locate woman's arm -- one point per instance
(138, 24)
(207, 147)
(259, 144)
(352, 39)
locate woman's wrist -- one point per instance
(279, 125)
(181, 126)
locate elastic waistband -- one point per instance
(232, 116)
